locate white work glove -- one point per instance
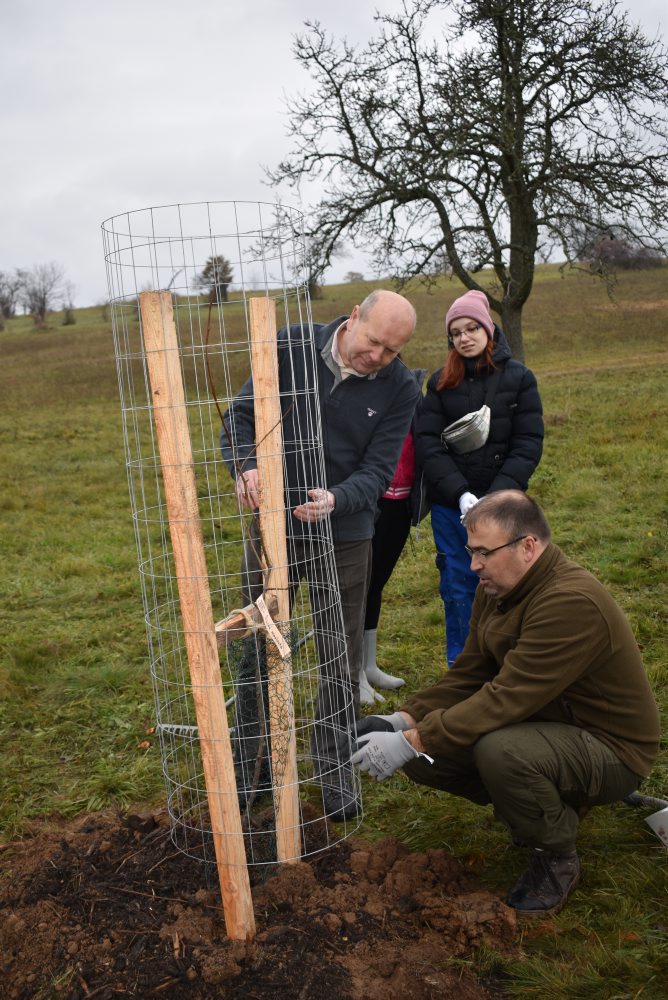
(381, 754)
(466, 501)
(394, 723)
(320, 505)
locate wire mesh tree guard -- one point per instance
(251, 683)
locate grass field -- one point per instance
(76, 702)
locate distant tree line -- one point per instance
(217, 275)
(612, 249)
(37, 290)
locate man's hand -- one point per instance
(381, 754)
(248, 489)
(395, 723)
(318, 508)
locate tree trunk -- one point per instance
(511, 321)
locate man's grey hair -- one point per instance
(372, 299)
(514, 511)
(368, 303)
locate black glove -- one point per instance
(394, 723)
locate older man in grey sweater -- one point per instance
(364, 400)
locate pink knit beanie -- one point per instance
(471, 305)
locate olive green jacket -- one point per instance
(556, 648)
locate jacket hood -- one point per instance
(502, 350)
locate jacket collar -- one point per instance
(542, 567)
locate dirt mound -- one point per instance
(106, 907)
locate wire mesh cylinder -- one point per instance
(214, 258)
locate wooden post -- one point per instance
(269, 451)
(171, 421)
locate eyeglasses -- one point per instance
(468, 331)
(484, 554)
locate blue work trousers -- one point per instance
(458, 582)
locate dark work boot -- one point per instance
(546, 884)
(340, 802)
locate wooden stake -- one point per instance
(269, 438)
(171, 421)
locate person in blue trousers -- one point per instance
(479, 371)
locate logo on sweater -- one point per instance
(370, 412)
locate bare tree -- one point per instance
(10, 286)
(68, 304)
(484, 148)
(216, 276)
(353, 276)
(314, 283)
(41, 286)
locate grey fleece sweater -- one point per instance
(363, 422)
(556, 648)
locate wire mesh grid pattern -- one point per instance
(280, 653)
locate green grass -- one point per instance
(75, 694)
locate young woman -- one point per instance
(478, 370)
(399, 508)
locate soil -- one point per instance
(106, 907)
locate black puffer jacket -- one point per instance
(515, 441)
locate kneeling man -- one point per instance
(547, 710)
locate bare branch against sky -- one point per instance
(119, 107)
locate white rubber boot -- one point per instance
(374, 674)
(367, 694)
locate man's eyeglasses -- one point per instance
(469, 331)
(484, 554)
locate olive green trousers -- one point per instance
(538, 776)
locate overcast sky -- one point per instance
(107, 108)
